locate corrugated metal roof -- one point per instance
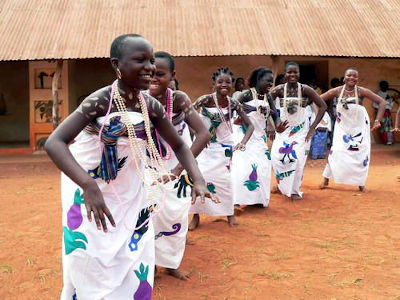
(52, 29)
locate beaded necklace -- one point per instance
(299, 98)
(221, 114)
(169, 105)
(255, 97)
(155, 160)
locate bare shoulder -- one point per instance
(205, 100)
(245, 96)
(155, 108)
(277, 91)
(96, 104)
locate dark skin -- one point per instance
(350, 81)
(223, 86)
(292, 75)
(136, 67)
(182, 102)
(158, 88)
(262, 87)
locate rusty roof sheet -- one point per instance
(54, 29)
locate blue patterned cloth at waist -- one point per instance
(109, 158)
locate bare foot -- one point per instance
(324, 184)
(232, 221)
(361, 188)
(238, 209)
(296, 197)
(177, 273)
(190, 241)
(275, 190)
(195, 222)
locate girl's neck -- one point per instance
(348, 88)
(292, 85)
(130, 95)
(222, 100)
(162, 97)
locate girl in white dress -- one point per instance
(171, 223)
(350, 154)
(290, 148)
(251, 169)
(103, 179)
(215, 160)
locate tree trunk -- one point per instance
(54, 91)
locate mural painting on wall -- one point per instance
(40, 140)
(44, 78)
(44, 111)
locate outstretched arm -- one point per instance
(397, 123)
(56, 146)
(193, 120)
(377, 99)
(182, 151)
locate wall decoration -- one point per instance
(44, 111)
(44, 78)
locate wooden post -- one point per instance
(54, 92)
(275, 66)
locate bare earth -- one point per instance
(335, 244)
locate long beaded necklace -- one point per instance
(221, 114)
(137, 150)
(255, 97)
(299, 98)
(169, 105)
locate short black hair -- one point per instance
(279, 78)
(351, 68)
(335, 82)
(167, 56)
(291, 63)
(117, 44)
(220, 71)
(257, 74)
(383, 83)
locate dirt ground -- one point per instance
(335, 244)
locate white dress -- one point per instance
(118, 264)
(289, 150)
(251, 169)
(215, 163)
(171, 223)
(349, 158)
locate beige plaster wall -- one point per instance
(14, 84)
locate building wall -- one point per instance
(86, 76)
(14, 85)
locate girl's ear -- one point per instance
(114, 63)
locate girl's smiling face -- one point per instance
(223, 84)
(136, 63)
(162, 77)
